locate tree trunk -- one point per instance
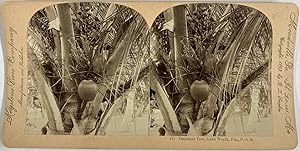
(185, 108)
(52, 15)
(181, 40)
(67, 42)
(254, 113)
(71, 102)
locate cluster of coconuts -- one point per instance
(87, 90)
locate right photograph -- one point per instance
(211, 71)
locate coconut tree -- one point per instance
(102, 56)
(213, 64)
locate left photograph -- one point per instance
(88, 71)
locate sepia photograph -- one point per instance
(150, 75)
(88, 71)
(200, 70)
(211, 71)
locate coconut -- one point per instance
(199, 90)
(210, 64)
(87, 90)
